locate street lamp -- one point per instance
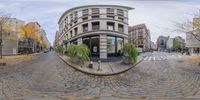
(1, 40)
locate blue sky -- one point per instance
(158, 15)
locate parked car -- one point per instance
(45, 51)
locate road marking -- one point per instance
(164, 57)
(145, 58)
(154, 58)
(158, 58)
(149, 58)
(179, 56)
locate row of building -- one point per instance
(103, 28)
(190, 45)
(14, 43)
(168, 44)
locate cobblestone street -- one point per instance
(47, 77)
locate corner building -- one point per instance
(103, 28)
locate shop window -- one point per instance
(110, 45)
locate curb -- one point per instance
(99, 74)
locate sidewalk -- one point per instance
(17, 57)
(105, 67)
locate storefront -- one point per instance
(93, 44)
(114, 45)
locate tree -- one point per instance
(176, 44)
(189, 26)
(4, 17)
(130, 53)
(31, 33)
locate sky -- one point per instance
(158, 15)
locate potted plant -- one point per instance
(130, 54)
(59, 49)
(78, 53)
(83, 53)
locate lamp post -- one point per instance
(1, 40)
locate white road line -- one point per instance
(164, 57)
(179, 56)
(149, 58)
(154, 58)
(173, 56)
(158, 58)
(161, 58)
(145, 58)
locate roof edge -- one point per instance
(126, 7)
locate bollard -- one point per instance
(91, 64)
(99, 62)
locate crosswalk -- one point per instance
(161, 57)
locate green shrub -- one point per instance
(72, 50)
(59, 49)
(81, 51)
(130, 52)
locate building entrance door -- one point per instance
(93, 44)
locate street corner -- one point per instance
(112, 66)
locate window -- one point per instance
(120, 28)
(120, 43)
(110, 17)
(71, 34)
(85, 18)
(110, 44)
(95, 17)
(85, 12)
(141, 42)
(120, 12)
(70, 24)
(110, 11)
(76, 31)
(110, 25)
(75, 17)
(95, 25)
(71, 17)
(95, 10)
(140, 36)
(120, 19)
(85, 27)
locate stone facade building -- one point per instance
(140, 36)
(162, 43)
(14, 42)
(170, 43)
(192, 42)
(11, 36)
(103, 28)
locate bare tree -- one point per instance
(4, 17)
(189, 26)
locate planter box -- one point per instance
(76, 60)
(126, 60)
